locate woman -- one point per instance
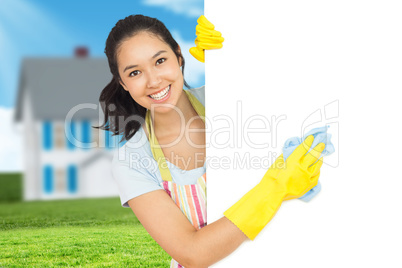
(160, 171)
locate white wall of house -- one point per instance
(97, 179)
(31, 179)
(94, 178)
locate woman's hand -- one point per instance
(207, 38)
(284, 180)
(300, 172)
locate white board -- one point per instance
(287, 67)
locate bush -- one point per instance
(10, 187)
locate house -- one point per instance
(57, 105)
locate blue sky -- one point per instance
(37, 28)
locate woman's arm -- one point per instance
(170, 228)
(245, 219)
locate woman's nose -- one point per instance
(153, 79)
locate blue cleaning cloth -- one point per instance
(320, 135)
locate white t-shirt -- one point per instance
(135, 170)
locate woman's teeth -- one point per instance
(161, 94)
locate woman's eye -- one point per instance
(161, 60)
(135, 73)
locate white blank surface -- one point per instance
(287, 67)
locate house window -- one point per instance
(60, 180)
(58, 137)
(48, 179)
(47, 135)
(95, 139)
(86, 133)
(70, 135)
(72, 179)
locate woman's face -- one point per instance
(150, 71)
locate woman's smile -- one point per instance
(161, 95)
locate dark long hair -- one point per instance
(122, 115)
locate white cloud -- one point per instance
(194, 70)
(191, 8)
(10, 143)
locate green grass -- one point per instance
(75, 233)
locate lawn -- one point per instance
(75, 233)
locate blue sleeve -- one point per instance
(132, 181)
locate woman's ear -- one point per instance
(181, 56)
(123, 85)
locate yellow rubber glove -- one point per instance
(207, 38)
(284, 180)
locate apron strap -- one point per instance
(197, 105)
(155, 147)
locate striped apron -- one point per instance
(191, 198)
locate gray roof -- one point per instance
(56, 85)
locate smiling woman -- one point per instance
(127, 64)
(150, 77)
(145, 102)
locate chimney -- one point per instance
(81, 52)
